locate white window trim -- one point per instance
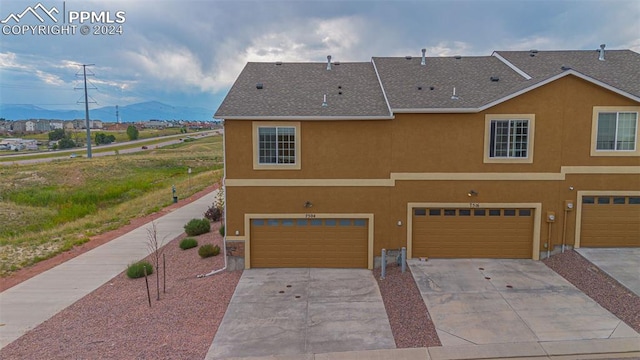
(594, 131)
(531, 118)
(256, 143)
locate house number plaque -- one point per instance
(310, 216)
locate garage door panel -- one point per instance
(610, 221)
(333, 243)
(476, 233)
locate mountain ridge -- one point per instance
(142, 111)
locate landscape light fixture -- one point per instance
(472, 193)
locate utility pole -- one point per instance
(86, 108)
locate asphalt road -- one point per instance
(82, 153)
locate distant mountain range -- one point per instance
(130, 113)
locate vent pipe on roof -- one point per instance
(424, 57)
(324, 101)
(601, 51)
(454, 96)
(328, 62)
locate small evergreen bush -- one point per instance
(136, 270)
(221, 230)
(197, 227)
(208, 250)
(188, 243)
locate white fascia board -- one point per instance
(435, 110)
(518, 93)
(309, 118)
(513, 67)
(554, 78)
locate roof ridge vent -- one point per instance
(424, 57)
(328, 62)
(457, 57)
(601, 51)
(278, 62)
(408, 57)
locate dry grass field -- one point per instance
(50, 207)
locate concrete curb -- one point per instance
(580, 349)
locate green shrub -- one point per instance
(208, 250)
(136, 270)
(197, 227)
(221, 230)
(188, 243)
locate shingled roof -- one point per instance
(388, 85)
(411, 86)
(287, 90)
(619, 69)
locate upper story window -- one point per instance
(276, 145)
(615, 131)
(509, 138)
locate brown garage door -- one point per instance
(610, 221)
(472, 233)
(322, 243)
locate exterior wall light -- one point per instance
(399, 223)
(472, 193)
(308, 204)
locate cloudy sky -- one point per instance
(188, 53)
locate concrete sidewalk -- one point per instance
(28, 304)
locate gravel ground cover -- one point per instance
(116, 322)
(599, 286)
(409, 318)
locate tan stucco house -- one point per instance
(513, 155)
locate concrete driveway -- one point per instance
(491, 301)
(302, 311)
(622, 264)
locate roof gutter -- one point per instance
(516, 94)
(310, 118)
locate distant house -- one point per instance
(154, 124)
(513, 155)
(57, 125)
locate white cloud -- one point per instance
(8, 61)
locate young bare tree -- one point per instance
(218, 202)
(155, 248)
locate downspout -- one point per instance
(564, 228)
(224, 212)
(549, 241)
